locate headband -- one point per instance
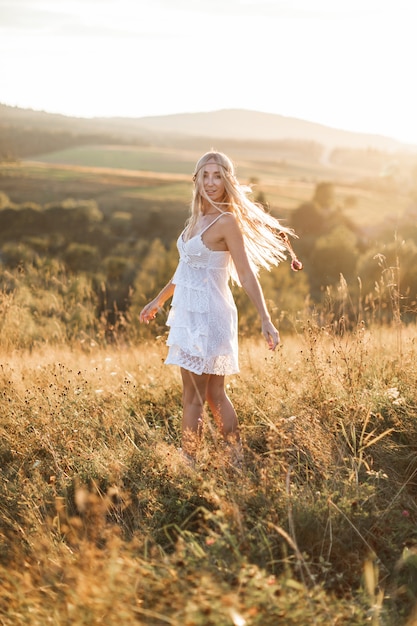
(204, 165)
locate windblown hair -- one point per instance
(263, 235)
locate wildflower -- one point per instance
(393, 393)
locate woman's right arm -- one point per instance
(151, 309)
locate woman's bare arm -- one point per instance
(151, 309)
(235, 244)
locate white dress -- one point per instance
(203, 315)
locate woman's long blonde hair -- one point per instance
(265, 238)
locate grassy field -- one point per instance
(102, 523)
(160, 160)
(111, 173)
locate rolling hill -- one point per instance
(247, 125)
(193, 129)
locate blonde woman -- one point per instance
(227, 237)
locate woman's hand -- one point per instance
(149, 312)
(271, 334)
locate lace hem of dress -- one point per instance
(218, 365)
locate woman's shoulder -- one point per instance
(229, 222)
(227, 218)
(229, 226)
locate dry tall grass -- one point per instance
(102, 523)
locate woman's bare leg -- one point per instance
(194, 389)
(222, 408)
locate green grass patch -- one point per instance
(123, 158)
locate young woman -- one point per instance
(227, 236)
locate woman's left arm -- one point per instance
(234, 241)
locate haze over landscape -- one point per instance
(345, 65)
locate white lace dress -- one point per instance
(203, 316)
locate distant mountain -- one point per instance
(184, 129)
(246, 125)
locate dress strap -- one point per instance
(214, 221)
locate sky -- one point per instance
(344, 63)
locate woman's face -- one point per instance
(213, 182)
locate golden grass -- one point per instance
(102, 523)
